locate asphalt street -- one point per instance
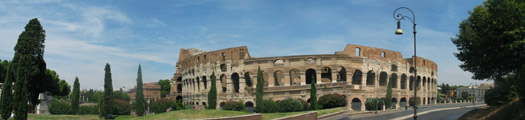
(428, 112)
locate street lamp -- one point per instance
(400, 17)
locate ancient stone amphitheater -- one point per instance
(358, 72)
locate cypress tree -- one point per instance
(75, 96)
(388, 99)
(28, 68)
(212, 95)
(139, 98)
(259, 91)
(108, 93)
(6, 105)
(313, 94)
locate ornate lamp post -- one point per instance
(400, 17)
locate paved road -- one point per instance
(430, 112)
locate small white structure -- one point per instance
(45, 99)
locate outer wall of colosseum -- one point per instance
(357, 72)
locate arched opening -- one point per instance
(428, 100)
(248, 106)
(424, 81)
(223, 83)
(424, 101)
(295, 77)
(393, 79)
(411, 83)
(223, 68)
(278, 77)
(393, 68)
(341, 73)
(204, 103)
(418, 82)
(403, 81)
(383, 79)
(326, 74)
(248, 79)
(370, 78)
(179, 79)
(178, 98)
(198, 84)
(235, 80)
(411, 70)
(357, 78)
(205, 82)
(393, 104)
(193, 83)
(403, 102)
(310, 76)
(356, 104)
(179, 88)
(197, 103)
(221, 104)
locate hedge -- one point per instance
(292, 105)
(59, 107)
(332, 100)
(233, 105)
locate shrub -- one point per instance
(85, 110)
(503, 93)
(233, 105)
(121, 107)
(411, 102)
(163, 105)
(291, 105)
(59, 107)
(332, 100)
(267, 106)
(370, 104)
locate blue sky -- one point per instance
(84, 35)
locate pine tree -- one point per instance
(6, 105)
(139, 98)
(108, 93)
(212, 95)
(75, 96)
(259, 91)
(388, 100)
(313, 94)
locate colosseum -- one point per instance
(358, 72)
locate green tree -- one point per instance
(212, 95)
(388, 100)
(107, 108)
(121, 96)
(75, 96)
(140, 103)
(313, 94)
(29, 68)
(259, 90)
(64, 88)
(165, 87)
(4, 65)
(464, 94)
(6, 105)
(495, 32)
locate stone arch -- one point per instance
(393, 68)
(179, 88)
(418, 82)
(357, 78)
(356, 104)
(248, 106)
(223, 68)
(295, 77)
(394, 103)
(383, 79)
(178, 98)
(248, 79)
(411, 83)
(235, 80)
(370, 78)
(204, 103)
(326, 75)
(205, 82)
(278, 78)
(198, 84)
(393, 80)
(403, 81)
(424, 81)
(403, 102)
(341, 73)
(308, 74)
(223, 83)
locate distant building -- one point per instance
(151, 91)
(476, 91)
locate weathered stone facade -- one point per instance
(358, 72)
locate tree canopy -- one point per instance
(165, 87)
(491, 41)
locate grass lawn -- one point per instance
(185, 114)
(62, 117)
(269, 116)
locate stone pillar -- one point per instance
(334, 76)
(303, 79)
(318, 76)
